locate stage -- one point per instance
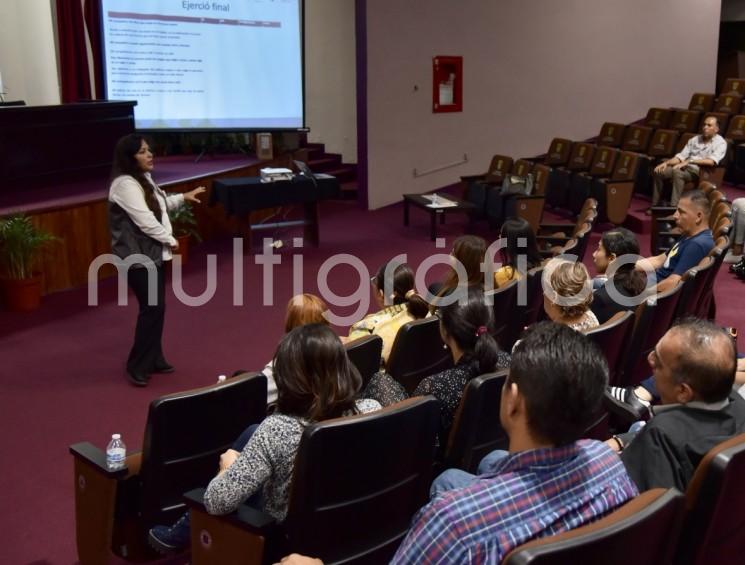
(77, 212)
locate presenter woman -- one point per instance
(141, 234)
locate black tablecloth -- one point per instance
(240, 196)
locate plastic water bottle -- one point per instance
(221, 379)
(116, 452)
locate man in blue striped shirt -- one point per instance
(549, 482)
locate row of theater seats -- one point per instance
(358, 481)
(618, 161)
(565, 177)
(114, 510)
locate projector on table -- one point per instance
(269, 174)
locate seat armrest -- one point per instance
(246, 517)
(553, 239)
(557, 226)
(96, 458)
(663, 210)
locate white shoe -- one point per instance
(730, 258)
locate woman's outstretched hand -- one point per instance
(191, 196)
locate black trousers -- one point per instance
(146, 350)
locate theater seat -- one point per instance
(365, 355)
(613, 338)
(685, 121)
(417, 352)
(184, 436)
(714, 527)
(602, 166)
(734, 86)
(654, 317)
(614, 194)
(611, 134)
(357, 483)
(658, 118)
(701, 102)
(476, 429)
(644, 531)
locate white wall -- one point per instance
(27, 52)
(533, 70)
(330, 88)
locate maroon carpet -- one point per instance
(62, 368)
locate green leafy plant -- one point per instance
(21, 243)
(184, 222)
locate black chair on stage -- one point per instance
(365, 353)
(476, 429)
(648, 526)
(356, 484)
(417, 352)
(184, 436)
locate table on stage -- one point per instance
(241, 196)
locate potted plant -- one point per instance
(184, 228)
(20, 246)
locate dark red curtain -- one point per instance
(93, 24)
(74, 77)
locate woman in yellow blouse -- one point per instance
(404, 305)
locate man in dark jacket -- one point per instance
(694, 369)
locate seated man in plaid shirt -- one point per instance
(549, 481)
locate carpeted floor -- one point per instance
(62, 366)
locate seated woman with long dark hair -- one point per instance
(513, 230)
(468, 251)
(465, 331)
(407, 306)
(627, 281)
(315, 382)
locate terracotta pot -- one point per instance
(22, 295)
(183, 248)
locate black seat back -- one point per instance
(504, 303)
(654, 317)
(418, 352)
(714, 527)
(613, 338)
(184, 436)
(477, 430)
(364, 353)
(358, 481)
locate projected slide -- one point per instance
(231, 64)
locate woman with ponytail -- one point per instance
(465, 329)
(141, 235)
(406, 306)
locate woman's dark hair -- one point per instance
(315, 379)
(620, 241)
(403, 289)
(470, 251)
(512, 230)
(470, 324)
(125, 163)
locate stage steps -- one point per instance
(320, 161)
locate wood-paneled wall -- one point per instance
(84, 234)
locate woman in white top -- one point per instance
(142, 237)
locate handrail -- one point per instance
(418, 173)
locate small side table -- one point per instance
(419, 201)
